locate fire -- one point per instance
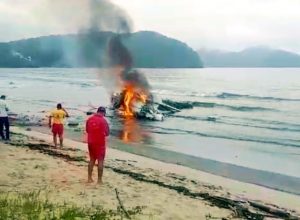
(128, 101)
(129, 104)
(132, 98)
(143, 98)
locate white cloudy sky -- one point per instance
(223, 24)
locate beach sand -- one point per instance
(165, 191)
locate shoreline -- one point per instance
(208, 187)
(276, 181)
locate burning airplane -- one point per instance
(134, 98)
(131, 96)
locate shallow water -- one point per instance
(246, 117)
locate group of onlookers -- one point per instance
(97, 130)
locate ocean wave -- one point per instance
(265, 122)
(273, 122)
(274, 141)
(222, 95)
(43, 101)
(197, 118)
(46, 79)
(190, 105)
(226, 95)
(280, 126)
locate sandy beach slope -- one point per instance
(166, 191)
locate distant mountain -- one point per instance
(250, 57)
(149, 50)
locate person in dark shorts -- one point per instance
(97, 130)
(4, 122)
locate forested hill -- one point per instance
(250, 57)
(149, 50)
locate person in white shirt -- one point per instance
(4, 123)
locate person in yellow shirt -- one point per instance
(56, 122)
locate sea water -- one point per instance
(244, 117)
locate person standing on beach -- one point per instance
(56, 122)
(97, 130)
(4, 122)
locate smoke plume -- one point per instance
(101, 27)
(106, 16)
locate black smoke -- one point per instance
(105, 16)
(102, 27)
(118, 54)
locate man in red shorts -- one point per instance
(97, 130)
(56, 122)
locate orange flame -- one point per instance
(131, 97)
(128, 101)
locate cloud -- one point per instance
(21, 19)
(225, 24)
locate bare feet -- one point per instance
(100, 182)
(90, 181)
